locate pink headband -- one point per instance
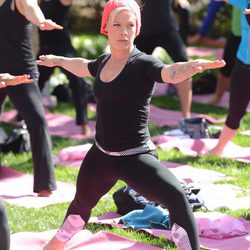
(113, 4)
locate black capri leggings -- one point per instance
(144, 173)
(229, 55)
(239, 94)
(4, 229)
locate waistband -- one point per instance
(132, 151)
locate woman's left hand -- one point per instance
(201, 64)
(48, 24)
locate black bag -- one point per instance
(127, 200)
(196, 128)
(18, 141)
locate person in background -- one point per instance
(16, 19)
(160, 29)
(58, 42)
(239, 84)
(213, 8)
(181, 8)
(8, 80)
(229, 56)
(123, 87)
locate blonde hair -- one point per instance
(114, 13)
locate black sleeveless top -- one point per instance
(16, 55)
(59, 13)
(157, 17)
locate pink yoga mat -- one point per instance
(239, 242)
(73, 155)
(194, 147)
(197, 175)
(84, 240)
(59, 125)
(224, 102)
(247, 132)
(16, 188)
(205, 51)
(164, 117)
(160, 89)
(64, 126)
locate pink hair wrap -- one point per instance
(113, 4)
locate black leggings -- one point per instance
(143, 172)
(4, 229)
(239, 94)
(77, 85)
(229, 55)
(27, 100)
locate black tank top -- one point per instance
(54, 10)
(16, 55)
(157, 17)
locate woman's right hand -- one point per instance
(48, 24)
(49, 60)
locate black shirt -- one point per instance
(59, 13)
(123, 104)
(16, 55)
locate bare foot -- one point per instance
(194, 39)
(212, 100)
(44, 193)
(214, 152)
(55, 244)
(86, 130)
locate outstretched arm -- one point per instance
(77, 66)
(10, 80)
(181, 71)
(32, 12)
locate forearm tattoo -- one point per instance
(181, 71)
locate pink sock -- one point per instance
(180, 237)
(72, 225)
